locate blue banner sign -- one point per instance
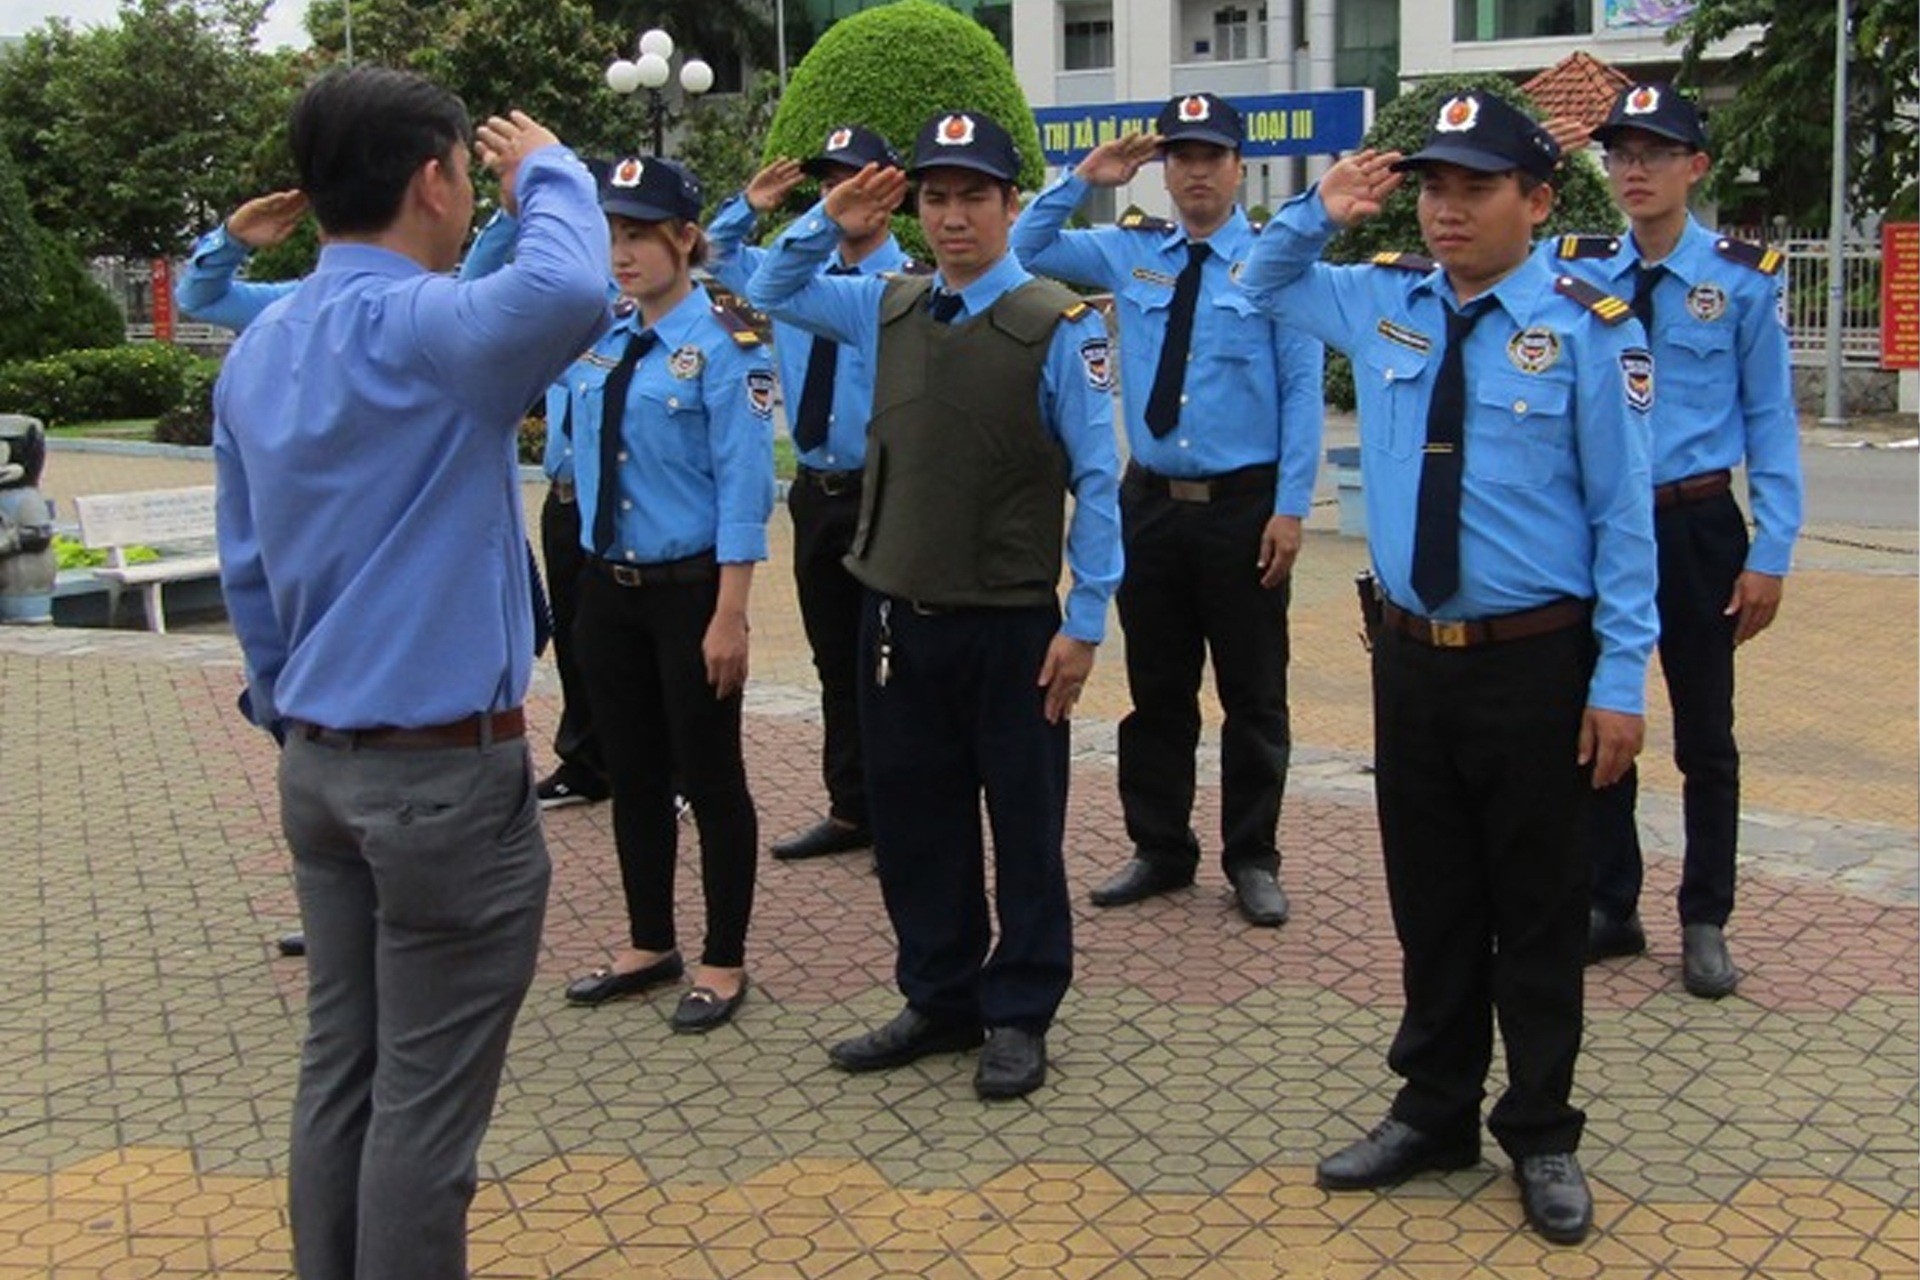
(1278, 124)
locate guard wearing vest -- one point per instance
(992, 401)
(1715, 311)
(1503, 440)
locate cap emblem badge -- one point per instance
(627, 173)
(839, 140)
(1458, 115)
(1194, 109)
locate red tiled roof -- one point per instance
(1578, 87)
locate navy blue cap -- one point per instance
(1201, 117)
(650, 189)
(966, 140)
(1657, 108)
(853, 147)
(1484, 132)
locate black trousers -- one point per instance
(1482, 821)
(573, 740)
(823, 526)
(1702, 548)
(659, 725)
(1192, 590)
(958, 717)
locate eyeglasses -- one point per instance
(1651, 160)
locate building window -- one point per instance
(1239, 33)
(1089, 39)
(1520, 19)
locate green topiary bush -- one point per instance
(1581, 201)
(90, 385)
(889, 69)
(190, 420)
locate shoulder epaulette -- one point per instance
(1404, 261)
(1573, 247)
(1143, 222)
(1610, 309)
(914, 267)
(738, 319)
(1075, 311)
(1762, 259)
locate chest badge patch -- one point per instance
(1095, 355)
(759, 384)
(1154, 277)
(1707, 302)
(1412, 339)
(1534, 350)
(1636, 374)
(686, 363)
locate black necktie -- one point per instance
(613, 412)
(816, 393)
(943, 305)
(1644, 280)
(1436, 530)
(542, 607)
(1170, 379)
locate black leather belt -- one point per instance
(834, 484)
(564, 492)
(1259, 478)
(694, 568)
(474, 731)
(1708, 484)
(1467, 633)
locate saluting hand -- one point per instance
(265, 221)
(1115, 162)
(1610, 740)
(868, 196)
(504, 142)
(773, 184)
(1358, 186)
(1064, 674)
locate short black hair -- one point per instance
(359, 135)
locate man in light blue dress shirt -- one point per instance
(374, 561)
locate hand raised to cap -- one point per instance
(265, 221)
(504, 142)
(773, 184)
(1116, 161)
(869, 195)
(1358, 185)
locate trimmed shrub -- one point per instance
(86, 386)
(190, 420)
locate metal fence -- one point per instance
(1807, 271)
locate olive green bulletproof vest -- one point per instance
(964, 503)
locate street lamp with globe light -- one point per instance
(651, 71)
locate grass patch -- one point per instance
(106, 429)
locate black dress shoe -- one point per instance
(1608, 937)
(1706, 970)
(1392, 1153)
(1262, 900)
(603, 985)
(293, 944)
(702, 1009)
(1554, 1194)
(908, 1038)
(829, 835)
(1140, 879)
(1013, 1064)
(570, 785)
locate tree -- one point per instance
(130, 137)
(1581, 200)
(721, 143)
(1780, 122)
(892, 67)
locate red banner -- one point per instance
(1900, 295)
(162, 285)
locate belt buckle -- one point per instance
(1446, 633)
(626, 575)
(835, 483)
(1189, 490)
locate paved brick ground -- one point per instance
(148, 1039)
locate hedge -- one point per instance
(101, 383)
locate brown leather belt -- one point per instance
(834, 484)
(564, 492)
(1255, 479)
(1708, 484)
(694, 568)
(1455, 633)
(474, 731)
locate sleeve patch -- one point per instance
(1094, 354)
(1636, 376)
(759, 385)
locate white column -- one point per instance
(1320, 75)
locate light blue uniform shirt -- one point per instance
(1252, 393)
(733, 263)
(1554, 497)
(372, 543)
(1076, 397)
(1726, 378)
(696, 441)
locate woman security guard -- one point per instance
(673, 456)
